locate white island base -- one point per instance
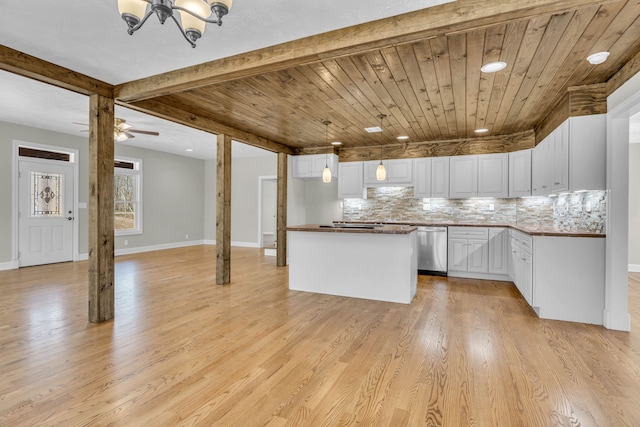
(369, 265)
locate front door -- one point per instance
(45, 218)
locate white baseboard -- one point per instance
(11, 265)
(246, 244)
(82, 257)
(634, 268)
(617, 321)
(239, 244)
(270, 252)
(139, 249)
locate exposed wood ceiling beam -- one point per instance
(177, 115)
(449, 18)
(37, 69)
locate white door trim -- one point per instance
(15, 196)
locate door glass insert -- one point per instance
(46, 195)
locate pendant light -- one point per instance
(381, 172)
(326, 172)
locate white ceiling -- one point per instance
(91, 38)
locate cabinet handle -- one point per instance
(544, 186)
(556, 183)
(524, 259)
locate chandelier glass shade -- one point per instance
(193, 14)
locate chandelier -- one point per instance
(194, 14)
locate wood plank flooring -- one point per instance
(185, 351)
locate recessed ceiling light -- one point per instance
(189, 150)
(492, 67)
(483, 130)
(402, 137)
(336, 143)
(598, 58)
(373, 129)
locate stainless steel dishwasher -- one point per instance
(432, 250)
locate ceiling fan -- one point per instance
(122, 130)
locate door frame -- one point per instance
(75, 159)
(261, 180)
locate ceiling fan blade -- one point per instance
(145, 132)
(81, 124)
(128, 134)
(124, 126)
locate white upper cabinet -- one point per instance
(587, 152)
(311, 166)
(399, 172)
(520, 173)
(484, 175)
(350, 183)
(431, 177)
(493, 175)
(463, 177)
(572, 157)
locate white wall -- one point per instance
(322, 205)
(173, 205)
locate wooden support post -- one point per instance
(223, 210)
(281, 222)
(101, 235)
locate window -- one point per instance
(127, 192)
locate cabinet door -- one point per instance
(319, 161)
(350, 180)
(440, 177)
(542, 171)
(520, 173)
(463, 177)
(527, 278)
(422, 177)
(457, 259)
(560, 158)
(493, 175)
(477, 259)
(587, 152)
(498, 255)
(399, 171)
(302, 166)
(370, 167)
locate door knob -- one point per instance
(70, 218)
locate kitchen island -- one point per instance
(377, 262)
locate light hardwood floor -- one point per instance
(184, 351)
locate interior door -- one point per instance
(45, 216)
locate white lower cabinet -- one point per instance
(468, 250)
(478, 252)
(499, 250)
(522, 264)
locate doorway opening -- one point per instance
(267, 211)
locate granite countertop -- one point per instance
(348, 227)
(527, 229)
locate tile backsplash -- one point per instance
(586, 210)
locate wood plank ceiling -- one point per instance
(431, 89)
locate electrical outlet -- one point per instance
(426, 206)
(186, 237)
(126, 242)
(491, 207)
(588, 206)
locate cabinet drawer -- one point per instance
(478, 233)
(521, 241)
